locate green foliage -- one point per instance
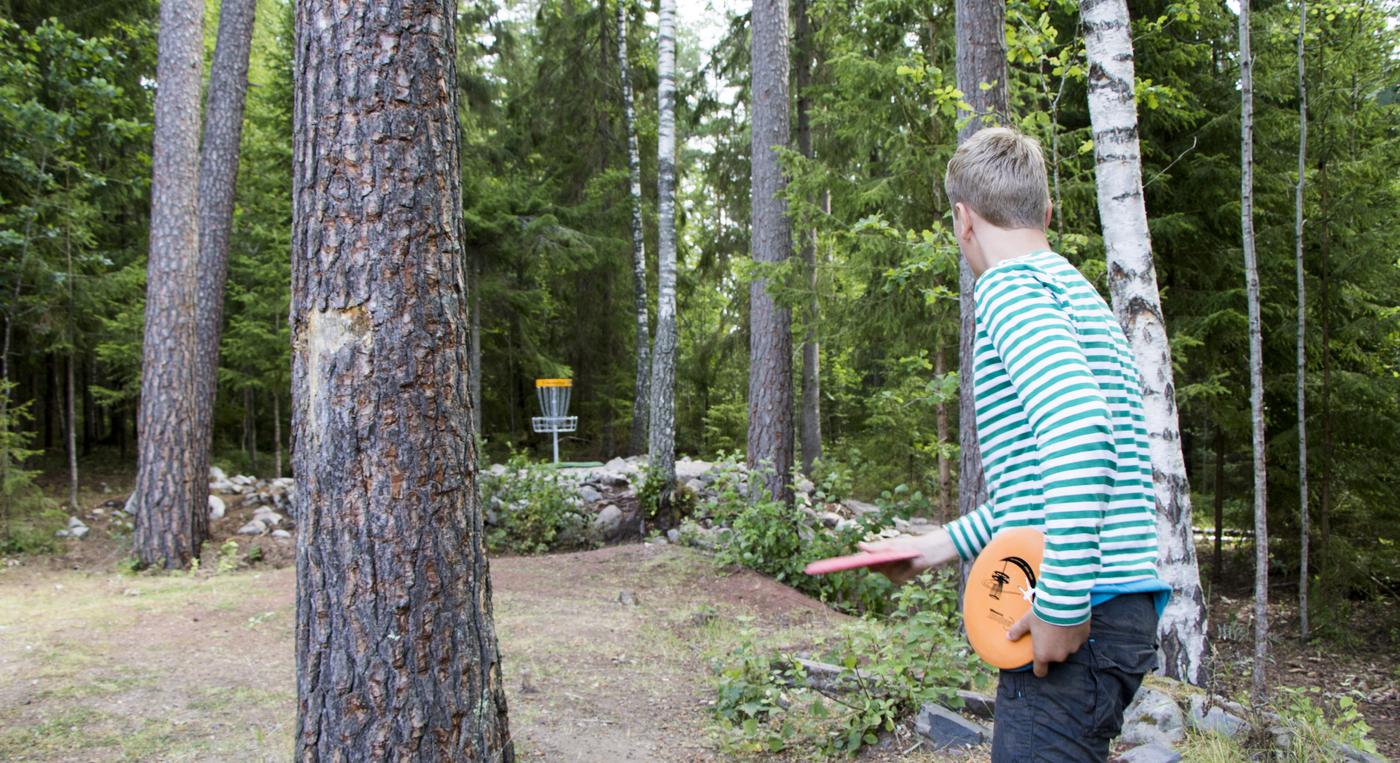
(895, 665)
(28, 520)
(537, 509)
(779, 541)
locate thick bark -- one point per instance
(1132, 280)
(770, 435)
(164, 497)
(641, 387)
(811, 417)
(662, 428)
(981, 68)
(396, 649)
(1256, 362)
(1302, 326)
(218, 177)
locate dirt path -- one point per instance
(606, 657)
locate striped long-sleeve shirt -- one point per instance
(1061, 431)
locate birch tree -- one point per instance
(662, 437)
(1256, 361)
(1302, 326)
(164, 497)
(980, 28)
(218, 178)
(641, 394)
(1132, 280)
(770, 435)
(395, 643)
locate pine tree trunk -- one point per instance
(770, 435)
(641, 387)
(1303, 625)
(662, 428)
(164, 499)
(1132, 280)
(811, 417)
(1256, 362)
(396, 649)
(218, 178)
(981, 61)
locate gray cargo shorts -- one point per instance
(1073, 713)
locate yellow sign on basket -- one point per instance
(554, 382)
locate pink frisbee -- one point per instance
(855, 561)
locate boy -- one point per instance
(1064, 448)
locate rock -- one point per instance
(1150, 753)
(216, 474)
(268, 517)
(612, 479)
(976, 704)
(75, 529)
(216, 507)
(222, 486)
(497, 470)
(673, 535)
(589, 494)
(945, 728)
(859, 507)
(688, 470)
(282, 534)
(1352, 755)
(830, 518)
(627, 599)
(1282, 736)
(1154, 717)
(242, 480)
(255, 527)
(804, 485)
(608, 521)
(695, 485)
(1215, 719)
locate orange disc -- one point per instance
(998, 593)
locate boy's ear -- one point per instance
(1049, 213)
(962, 221)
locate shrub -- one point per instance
(915, 656)
(28, 520)
(537, 509)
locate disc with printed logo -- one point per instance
(999, 592)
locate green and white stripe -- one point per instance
(1061, 431)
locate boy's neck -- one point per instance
(1000, 244)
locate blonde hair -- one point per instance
(1000, 174)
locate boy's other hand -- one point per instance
(1049, 643)
(934, 548)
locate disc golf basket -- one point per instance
(553, 395)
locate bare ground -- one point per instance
(606, 655)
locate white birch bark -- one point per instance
(1132, 280)
(642, 384)
(1256, 360)
(662, 437)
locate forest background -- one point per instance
(547, 222)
